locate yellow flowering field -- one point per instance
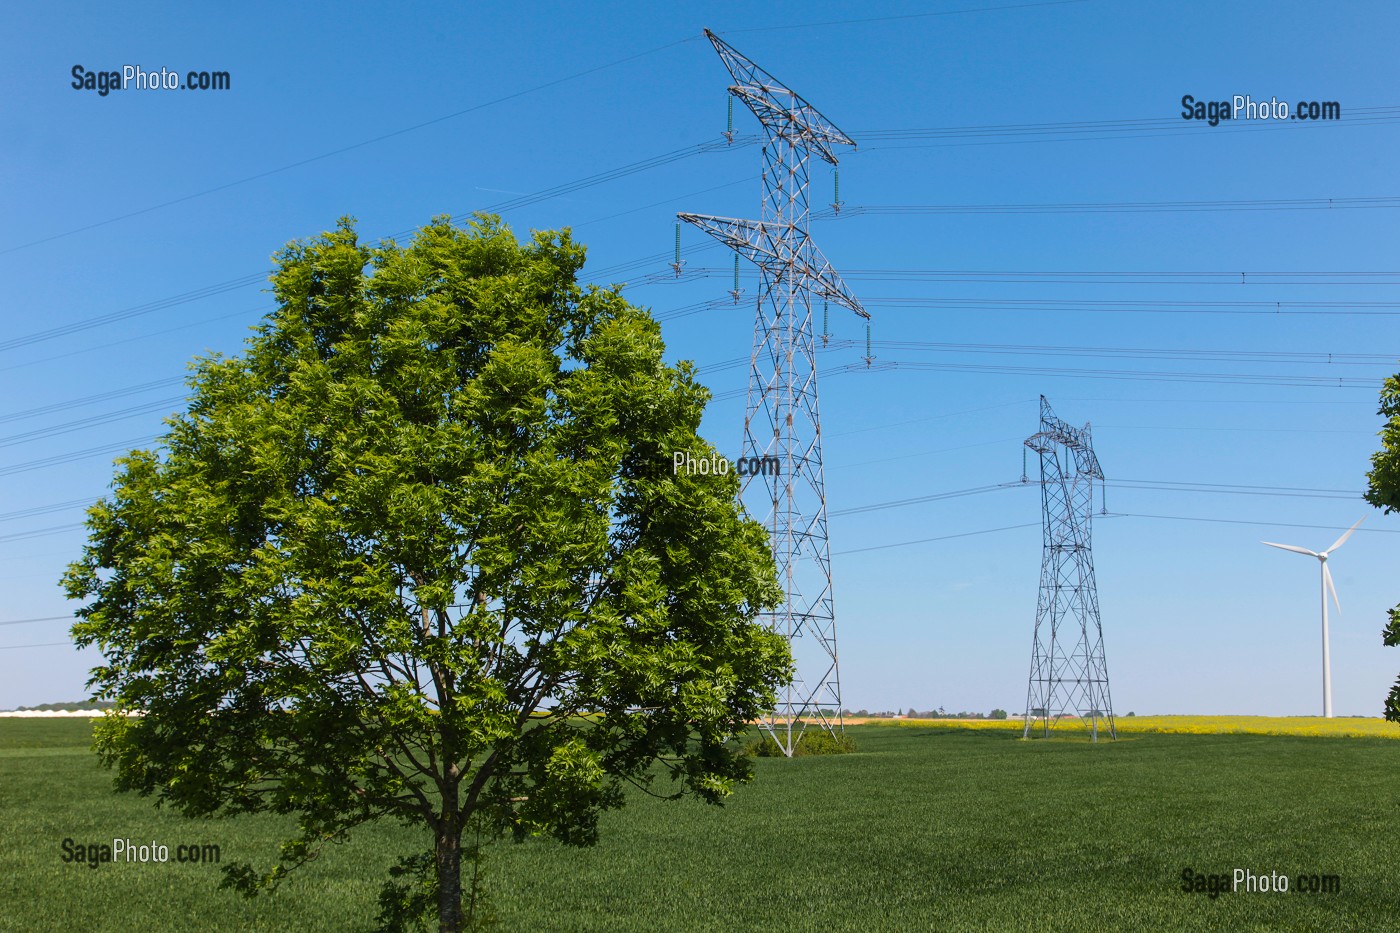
(1189, 725)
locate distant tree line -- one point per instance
(65, 707)
(939, 713)
(912, 713)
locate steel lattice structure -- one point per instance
(1067, 680)
(782, 418)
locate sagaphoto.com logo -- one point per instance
(683, 462)
(1244, 107)
(134, 77)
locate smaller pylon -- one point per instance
(1069, 676)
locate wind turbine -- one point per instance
(1327, 584)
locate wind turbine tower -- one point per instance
(1326, 585)
(782, 418)
(1068, 672)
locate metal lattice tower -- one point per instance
(1068, 671)
(782, 417)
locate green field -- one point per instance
(926, 828)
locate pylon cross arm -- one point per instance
(1087, 462)
(793, 120)
(770, 246)
(1075, 440)
(778, 107)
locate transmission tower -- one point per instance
(782, 417)
(1068, 672)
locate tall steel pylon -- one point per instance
(782, 418)
(1067, 680)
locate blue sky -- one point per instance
(118, 203)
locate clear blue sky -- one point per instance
(1198, 616)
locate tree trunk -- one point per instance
(448, 853)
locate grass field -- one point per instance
(928, 827)
(1338, 727)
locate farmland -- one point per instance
(929, 826)
(1338, 727)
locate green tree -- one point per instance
(421, 553)
(1383, 492)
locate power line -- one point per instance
(903, 16)
(47, 644)
(655, 204)
(120, 447)
(72, 618)
(90, 399)
(1205, 401)
(651, 261)
(599, 178)
(921, 453)
(1168, 482)
(1097, 130)
(160, 304)
(483, 105)
(46, 509)
(1128, 375)
(1140, 375)
(632, 168)
(951, 414)
(102, 419)
(1127, 483)
(1222, 489)
(895, 274)
(1184, 518)
(1116, 207)
(1236, 521)
(694, 308)
(917, 500)
(975, 348)
(359, 145)
(1271, 308)
(1231, 429)
(965, 534)
(1135, 353)
(41, 532)
(1107, 277)
(106, 345)
(610, 175)
(1277, 308)
(1367, 114)
(253, 278)
(1163, 485)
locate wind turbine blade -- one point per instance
(1290, 547)
(1343, 539)
(1331, 587)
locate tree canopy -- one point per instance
(420, 552)
(1383, 491)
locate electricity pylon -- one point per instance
(782, 418)
(1064, 679)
